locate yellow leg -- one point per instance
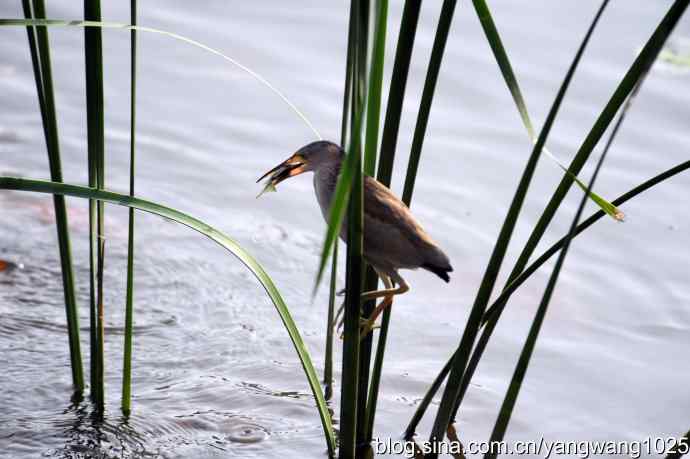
(388, 291)
(368, 324)
(387, 300)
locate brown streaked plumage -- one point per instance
(392, 237)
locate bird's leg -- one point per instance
(340, 310)
(369, 324)
(388, 291)
(338, 321)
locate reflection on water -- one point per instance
(214, 372)
(90, 435)
(83, 433)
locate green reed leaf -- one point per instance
(41, 186)
(40, 59)
(506, 68)
(489, 319)
(375, 84)
(453, 392)
(396, 94)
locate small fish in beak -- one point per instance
(288, 168)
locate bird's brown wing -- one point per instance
(381, 205)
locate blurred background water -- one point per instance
(214, 372)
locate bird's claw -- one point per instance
(340, 292)
(366, 326)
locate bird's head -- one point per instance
(308, 158)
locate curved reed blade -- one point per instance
(516, 381)
(498, 306)
(543, 258)
(489, 319)
(501, 56)
(493, 312)
(40, 59)
(523, 186)
(453, 393)
(117, 25)
(629, 81)
(41, 186)
(129, 301)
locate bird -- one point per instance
(392, 237)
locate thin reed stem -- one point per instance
(93, 54)
(129, 307)
(349, 399)
(396, 94)
(40, 59)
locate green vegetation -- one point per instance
(360, 133)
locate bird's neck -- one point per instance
(325, 180)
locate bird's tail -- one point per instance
(440, 271)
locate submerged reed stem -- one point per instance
(129, 307)
(42, 68)
(93, 56)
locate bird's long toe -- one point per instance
(366, 326)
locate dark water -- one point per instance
(214, 372)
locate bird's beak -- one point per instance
(292, 166)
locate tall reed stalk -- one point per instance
(224, 241)
(43, 75)
(93, 56)
(440, 40)
(129, 306)
(396, 94)
(460, 359)
(349, 399)
(369, 389)
(344, 138)
(95, 195)
(508, 404)
(524, 184)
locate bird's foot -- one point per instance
(366, 326)
(341, 292)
